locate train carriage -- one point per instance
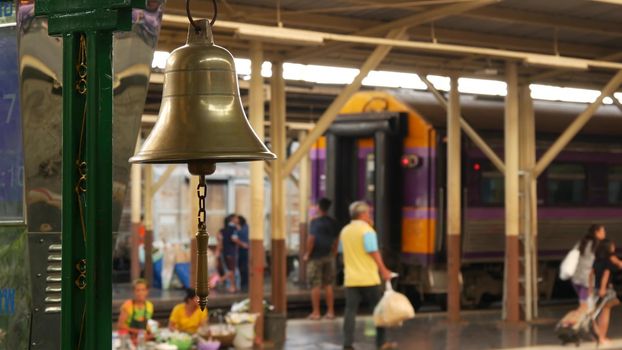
(388, 148)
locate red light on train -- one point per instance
(476, 167)
(409, 161)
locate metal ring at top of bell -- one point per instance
(201, 118)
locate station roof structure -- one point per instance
(573, 43)
(566, 28)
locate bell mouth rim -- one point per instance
(204, 157)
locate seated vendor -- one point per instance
(187, 317)
(136, 312)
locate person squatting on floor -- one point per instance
(362, 263)
(320, 254)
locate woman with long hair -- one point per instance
(583, 278)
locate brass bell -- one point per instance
(201, 117)
(201, 123)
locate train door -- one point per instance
(355, 172)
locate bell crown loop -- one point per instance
(201, 34)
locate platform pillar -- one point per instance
(278, 139)
(136, 188)
(511, 303)
(304, 191)
(257, 174)
(86, 29)
(148, 170)
(528, 201)
(453, 202)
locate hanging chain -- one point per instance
(202, 239)
(202, 193)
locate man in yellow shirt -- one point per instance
(362, 263)
(187, 317)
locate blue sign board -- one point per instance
(11, 154)
(7, 12)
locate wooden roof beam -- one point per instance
(550, 21)
(408, 21)
(510, 42)
(557, 72)
(264, 15)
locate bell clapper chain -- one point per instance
(202, 169)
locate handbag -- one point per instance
(569, 265)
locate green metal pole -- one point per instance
(99, 193)
(73, 299)
(87, 163)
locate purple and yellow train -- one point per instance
(388, 148)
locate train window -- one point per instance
(492, 185)
(566, 184)
(370, 177)
(615, 184)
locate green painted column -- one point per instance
(73, 298)
(86, 27)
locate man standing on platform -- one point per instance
(362, 263)
(320, 253)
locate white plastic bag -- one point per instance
(569, 264)
(393, 309)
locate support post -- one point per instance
(331, 112)
(304, 192)
(73, 300)
(529, 200)
(277, 138)
(136, 188)
(99, 193)
(86, 28)
(256, 223)
(511, 302)
(468, 130)
(453, 202)
(164, 177)
(148, 223)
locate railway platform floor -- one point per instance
(430, 331)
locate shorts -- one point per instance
(230, 262)
(582, 292)
(322, 271)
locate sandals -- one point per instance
(329, 316)
(389, 345)
(313, 317)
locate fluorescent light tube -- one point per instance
(556, 61)
(280, 35)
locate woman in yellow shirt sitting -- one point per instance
(187, 317)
